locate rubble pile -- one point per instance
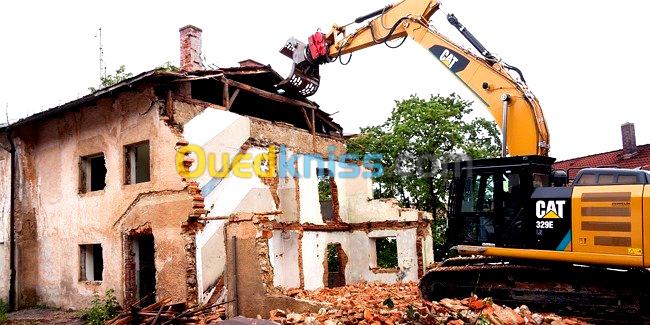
(378, 303)
(164, 312)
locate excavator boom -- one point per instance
(500, 87)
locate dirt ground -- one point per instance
(44, 316)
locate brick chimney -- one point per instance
(191, 48)
(629, 139)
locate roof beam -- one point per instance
(267, 94)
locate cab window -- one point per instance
(479, 194)
(605, 179)
(587, 179)
(540, 180)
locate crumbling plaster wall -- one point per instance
(359, 248)
(225, 135)
(284, 253)
(298, 140)
(222, 132)
(354, 196)
(292, 200)
(248, 275)
(5, 202)
(53, 218)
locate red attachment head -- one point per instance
(318, 47)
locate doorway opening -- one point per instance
(334, 266)
(141, 269)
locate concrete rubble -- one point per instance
(400, 303)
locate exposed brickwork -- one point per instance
(189, 235)
(300, 266)
(265, 133)
(191, 48)
(130, 285)
(342, 260)
(335, 200)
(272, 183)
(418, 247)
(629, 139)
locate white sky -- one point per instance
(585, 60)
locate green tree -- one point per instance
(416, 140)
(111, 79)
(169, 67)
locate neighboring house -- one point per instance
(630, 156)
(100, 204)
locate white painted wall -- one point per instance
(354, 197)
(210, 255)
(427, 251)
(309, 204)
(289, 204)
(222, 132)
(283, 253)
(359, 248)
(5, 201)
(217, 131)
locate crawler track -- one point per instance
(594, 292)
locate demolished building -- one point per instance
(97, 196)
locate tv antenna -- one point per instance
(102, 68)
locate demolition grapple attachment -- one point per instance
(304, 78)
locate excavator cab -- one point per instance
(490, 201)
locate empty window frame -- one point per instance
(325, 197)
(386, 252)
(93, 173)
(136, 158)
(91, 262)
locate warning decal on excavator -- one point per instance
(634, 251)
(450, 58)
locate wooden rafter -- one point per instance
(307, 120)
(267, 94)
(226, 95)
(232, 98)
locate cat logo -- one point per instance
(453, 60)
(448, 58)
(552, 209)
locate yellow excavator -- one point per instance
(523, 233)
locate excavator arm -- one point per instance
(501, 87)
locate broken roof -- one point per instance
(253, 78)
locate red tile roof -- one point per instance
(607, 159)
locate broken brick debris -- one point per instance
(400, 303)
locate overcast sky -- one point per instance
(585, 60)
